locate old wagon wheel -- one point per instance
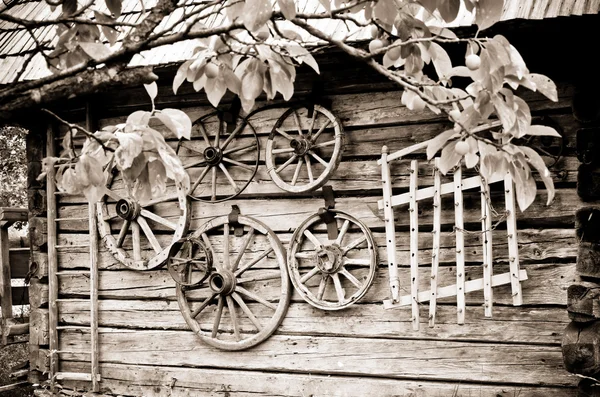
(248, 291)
(332, 274)
(314, 144)
(140, 233)
(220, 164)
(189, 262)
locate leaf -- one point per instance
(523, 118)
(288, 8)
(111, 34)
(525, 187)
(114, 6)
(326, 4)
(488, 12)
(449, 9)
(429, 5)
(177, 121)
(215, 89)
(130, 146)
(96, 51)
(139, 118)
(69, 183)
(536, 160)
(282, 84)
(471, 160)
(385, 11)
(231, 80)
(460, 71)
(504, 112)
(256, 13)
(181, 75)
(157, 178)
(90, 178)
(441, 61)
(252, 84)
(449, 158)
(152, 90)
(545, 86)
(301, 54)
(439, 142)
(69, 7)
(234, 9)
(542, 130)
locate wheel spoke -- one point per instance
(213, 194)
(357, 261)
(263, 277)
(136, 241)
(283, 150)
(158, 219)
(226, 246)
(322, 286)
(161, 199)
(229, 178)
(148, 232)
(297, 121)
(232, 135)
(308, 168)
(297, 171)
(218, 315)
(285, 134)
(203, 133)
(247, 310)
(343, 232)
(234, 162)
(309, 275)
(338, 288)
(255, 297)
(324, 144)
(113, 195)
(313, 239)
(123, 232)
(243, 248)
(316, 136)
(218, 135)
(203, 305)
(312, 123)
(354, 244)
(350, 277)
(305, 255)
(318, 158)
(284, 165)
(209, 247)
(239, 149)
(234, 319)
(195, 164)
(200, 178)
(242, 269)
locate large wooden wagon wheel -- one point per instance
(140, 233)
(332, 274)
(303, 152)
(220, 164)
(247, 293)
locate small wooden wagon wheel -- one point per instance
(332, 274)
(220, 164)
(190, 262)
(303, 152)
(248, 291)
(140, 233)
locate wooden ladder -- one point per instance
(53, 274)
(456, 187)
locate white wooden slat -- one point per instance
(414, 243)
(435, 252)
(511, 230)
(390, 230)
(486, 237)
(460, 247)
(450, 290)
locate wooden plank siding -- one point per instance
(147, 349)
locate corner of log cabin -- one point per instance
(146, 347)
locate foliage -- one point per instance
(255, 50)
(13, 170)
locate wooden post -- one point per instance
(460, 246)
(414, 243)
(488, 257)
(52, 260)
(390, 231)
(437, 224)
(513, 249)
(5, 288)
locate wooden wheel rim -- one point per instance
(332, 164)
(124, 256)
(284, 295)
(296, 277)
(173, 263)
(209, 143)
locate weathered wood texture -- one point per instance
(147, 349)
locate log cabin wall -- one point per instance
(147, 349)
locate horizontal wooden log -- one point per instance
(38, 326)
(158, 284)
(508, 324)
(581, 348)
(158, 381)
(390, 358)
(278, 215)
(38, 293)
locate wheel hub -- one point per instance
(222, 282)
(128, 209)
(300, 146)
(213, 155)
(329, 259)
